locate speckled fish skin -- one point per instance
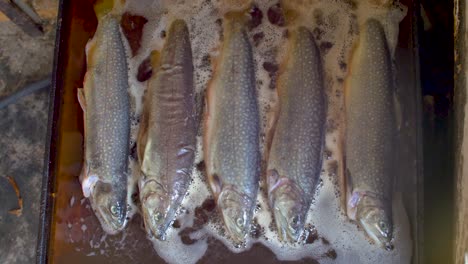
(371, 135)
(295, 158)
(167, 139)
(106, 105)
(231, 147)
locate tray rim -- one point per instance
(50, 152)
(56, 100)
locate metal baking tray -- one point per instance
(76, 25)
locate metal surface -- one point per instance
(460, 250)
(29, 89)
(45, 216)
(17, 16)
(410, 55)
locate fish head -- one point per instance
(377, 222)
(237, 211)
(289, 209)
(289, 219)
(110, 206)
(155, 210)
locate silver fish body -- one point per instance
(167, 138)
(295, 156)
(371, 135)
(105, 101)
(231, 144)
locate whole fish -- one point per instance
(295, 157)
(371, 135)
(231, 143)
(167, 138)
(106, 106)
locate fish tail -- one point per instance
(178, 25)
(155, 57)
(235, 6)
(104, 7)
(290, 16)
(291, 11)
(238, 14)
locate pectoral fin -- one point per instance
(215, 184)
(88, 180)
(82, 99)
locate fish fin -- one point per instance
(272, 180)
(90, 49)
(215, 184)
(352, 203)
(88, 184)
(88, 180)
(82, 102)
(81, 99)
(84, 172)
(104, 7)
(398, 112)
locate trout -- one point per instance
(295, 157)
(371, 135)
(167, 137)
(106, 109)
(231, 145)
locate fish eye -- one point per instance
(383, 227)
(240, 222)
(114, 210)
(157, 216)
(294, 220)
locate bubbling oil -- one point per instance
(335, 26)
(330, 237)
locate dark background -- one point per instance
(437, 80)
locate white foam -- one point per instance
(174, 251)
(337, 23)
